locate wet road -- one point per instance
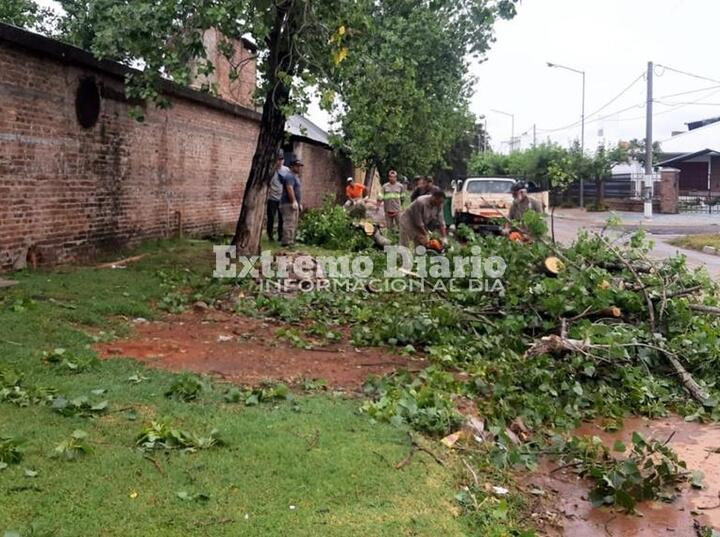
(567, 227)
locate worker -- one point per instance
(391, 194)
(354, 192)
(274, 195)
(420, 188)
(521, 202)
(290, 202)
(416, 219)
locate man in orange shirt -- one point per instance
(354, 192)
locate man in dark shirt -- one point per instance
(420, 188)
(290, 201)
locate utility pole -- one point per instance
(582, 121)
(534, 136)
(648, 186)
(512, 127)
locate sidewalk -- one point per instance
(661, 224)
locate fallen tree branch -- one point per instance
(121, 262)
(155, 463)
(683, 292)
(554, 344)
(648, 301)
(712, 310)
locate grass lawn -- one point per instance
(697, 242)
(312, 467)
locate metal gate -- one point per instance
(699, 202)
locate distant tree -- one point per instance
(636, 150)
(599, 168)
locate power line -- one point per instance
(603, 107)
(700, 77)
(688, 92)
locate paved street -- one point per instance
(663, 228)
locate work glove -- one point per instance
(296, 205)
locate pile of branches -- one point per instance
(613, 332)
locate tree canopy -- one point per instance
(396, 70)
(405, 87)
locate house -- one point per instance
(696, 153)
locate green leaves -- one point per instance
(160, 435)
(10, 451)
(187, 388)
(331, 227)
(80, 406)
(74, 447)
(651, 470)
(266, 392)
(68, 362)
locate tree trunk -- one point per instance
(600, 191)
(369, 176)
(248, 231)
(249, 228)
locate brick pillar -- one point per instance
(669, 190)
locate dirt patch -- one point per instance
(246, 351)
(567, 500)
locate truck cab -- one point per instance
(484, 202)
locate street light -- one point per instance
(512, 131)
(483, 118)
(582, 121)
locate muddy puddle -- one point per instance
(566, 501)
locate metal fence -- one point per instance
(699, 202)
(616, 187)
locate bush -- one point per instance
(332, 228)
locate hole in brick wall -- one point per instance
(87, 103)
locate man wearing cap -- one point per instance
(290, 201)
(522, 203)
(422, 212)
(354, 192)
(274, 195)
(391, 194)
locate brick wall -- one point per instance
(323, 173)
(67, 191)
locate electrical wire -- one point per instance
(693, 75)
(603, 107)
(687, 92)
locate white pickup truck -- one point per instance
(483, 202)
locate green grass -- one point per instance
(697, 242)
(342, 484)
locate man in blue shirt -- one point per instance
(290, 200)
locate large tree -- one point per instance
(405, 88)
(300, 43)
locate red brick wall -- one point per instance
(66, 191)
(323, 173)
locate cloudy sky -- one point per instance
(612, 41)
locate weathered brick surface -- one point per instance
(66, 191)
(323, 173)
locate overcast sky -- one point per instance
(612, 41)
